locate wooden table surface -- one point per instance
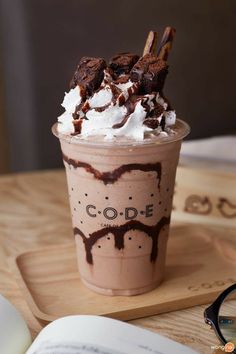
(34, 211)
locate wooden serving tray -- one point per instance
(205, 197)
(200, 263)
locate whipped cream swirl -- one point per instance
(114, 110)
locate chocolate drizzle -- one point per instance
(119, 232)
(130, 106)
(122, 123)
(111, 177)
(101, 109)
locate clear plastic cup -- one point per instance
(121, 200)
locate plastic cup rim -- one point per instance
(125, 144)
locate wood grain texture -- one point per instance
(34, 212)
(205, 197)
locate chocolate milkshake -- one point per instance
(120, 143)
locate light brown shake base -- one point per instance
(121, 202)
(123, 272)
(121, 292)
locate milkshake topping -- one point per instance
(121, 98)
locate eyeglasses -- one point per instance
(221, 316)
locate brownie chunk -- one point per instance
(141, 67)
(154, 78)
(89, 74)
(150, 72)
(122, 63)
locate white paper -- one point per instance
(49, 347)
(101, 335)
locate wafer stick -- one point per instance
(151, 43)
(166, 43)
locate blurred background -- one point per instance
(42, 41)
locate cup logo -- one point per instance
(111, 213)
(229, 347)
